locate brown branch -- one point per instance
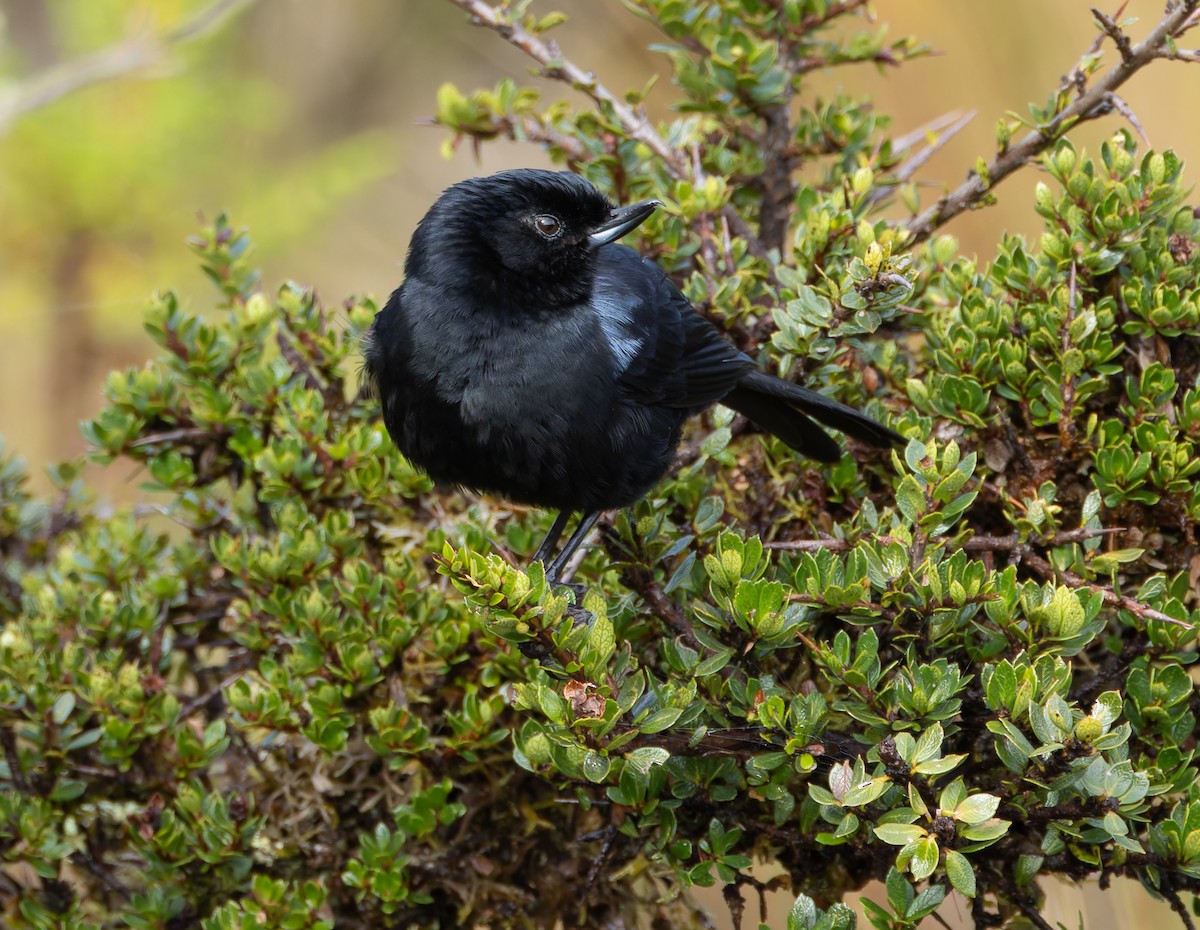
(1111, 598)
(1116, 33)
(201, 700)
(557, 67)
(831, 12)
(1088, 105)
(670, 613)
(641, 580)
(103, 871)
(1178, 907)
(1071, 810)
(136, 53)
(1181, 54)
(554, 65)
(1026, 905)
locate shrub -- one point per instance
(299, 688)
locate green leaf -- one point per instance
(976, 808)
(646, 757)
(803, 914)
(960, 873)
(899, 834)
(925, 858)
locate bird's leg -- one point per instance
(546, 549)
(586, 522)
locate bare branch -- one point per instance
(136, 53)
(1118, 104)
(948, 122)
(944, 127)
(1090, 103)
(1180, 54)
(1179, 907)
(1116, 33)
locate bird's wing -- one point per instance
(667, 352)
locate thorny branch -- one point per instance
(136, 53)
(1089, 104)
(1111, 597)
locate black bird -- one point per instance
(527, 355)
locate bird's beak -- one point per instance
(621, 221)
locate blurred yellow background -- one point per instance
(302, 120)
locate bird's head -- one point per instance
(526, 237)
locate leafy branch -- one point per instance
(556, 66)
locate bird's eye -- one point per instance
(549, 226)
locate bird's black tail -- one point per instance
(784, 409)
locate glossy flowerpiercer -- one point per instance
(528, 355)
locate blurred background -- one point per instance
(121, 121)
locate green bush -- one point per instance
(299, 688)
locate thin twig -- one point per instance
(554, 65)
(642, 580)
(1178, 907)
(173, 435)
(16, 774)
(136, 53)
(1088, 105)
(1116, 33)
(1180, 54)
(909, 167)
(103, 871)
(945, 128)
(1113, 102)
(1032, 913)
(935, 126)
(202, 699)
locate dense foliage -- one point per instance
(300, 688)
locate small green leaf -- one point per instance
(960, 873)
(899, 834)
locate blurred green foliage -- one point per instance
(300, 688)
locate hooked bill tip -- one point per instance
(621, 221)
